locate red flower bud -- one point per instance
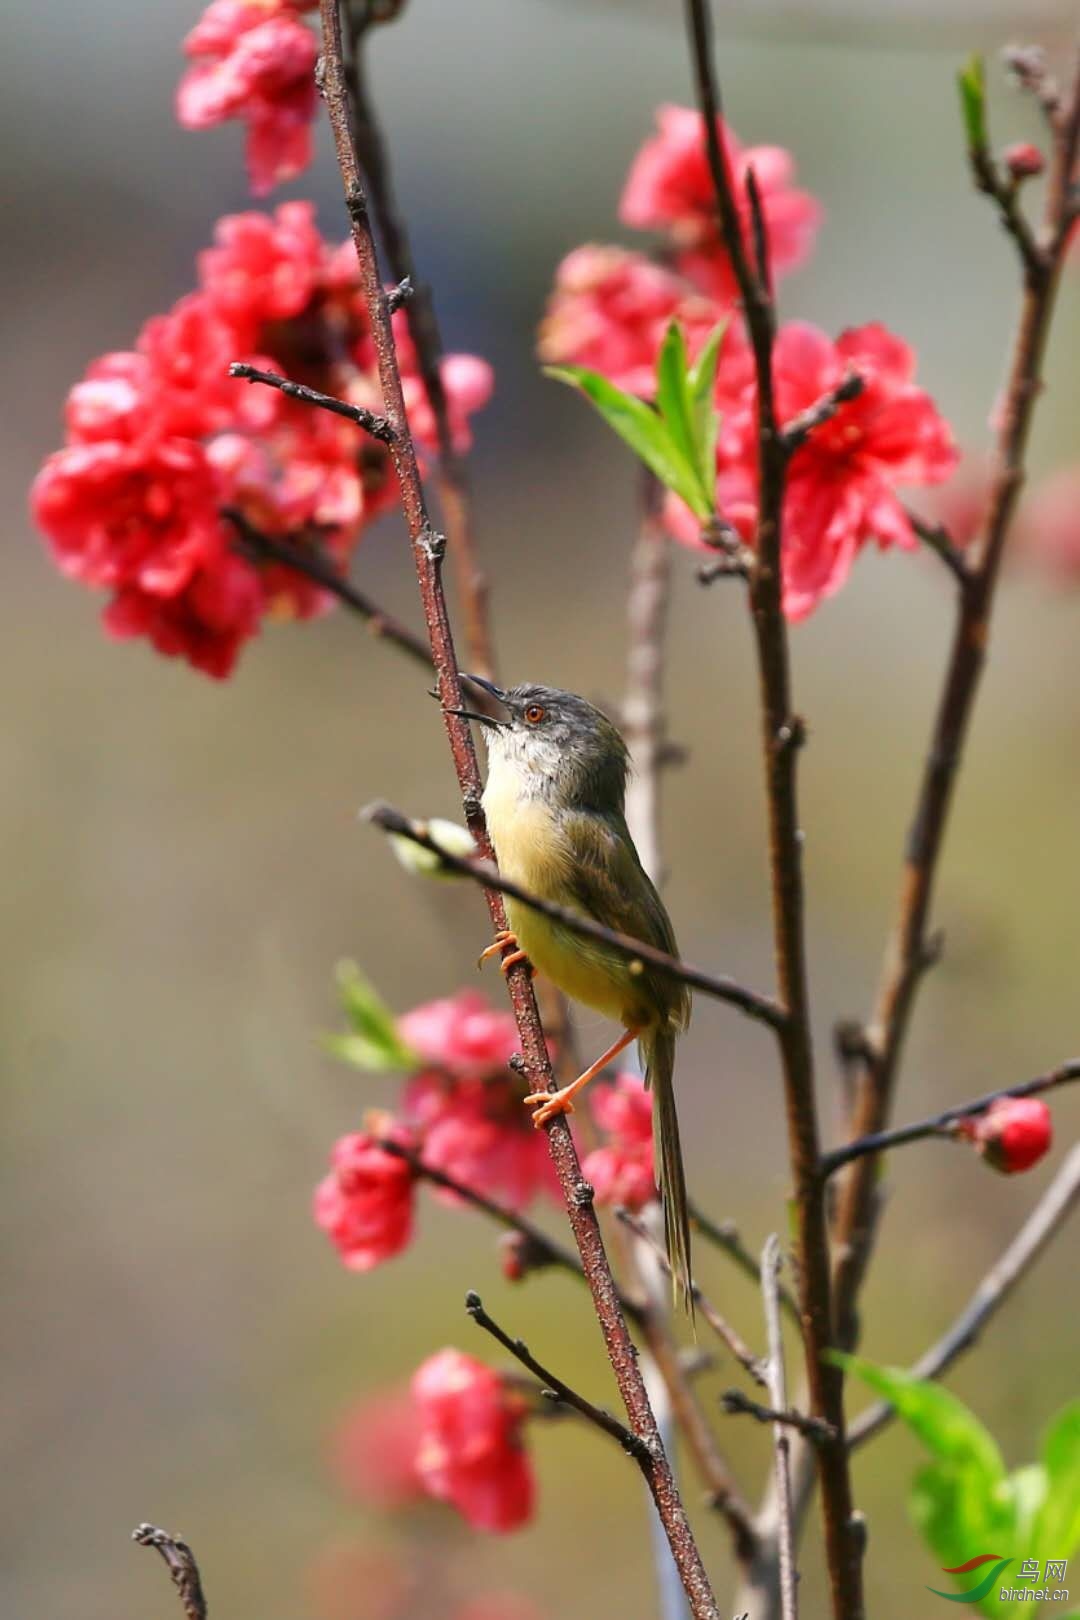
(1023, 160)
(1013, 1134)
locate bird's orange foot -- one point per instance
(550, 1103)
(506, 940)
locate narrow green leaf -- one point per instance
(942, 1422)
(640, 427)
(1056, 1532)
(673, 398)
(372, 1041)
(702, 393)
(971, 81)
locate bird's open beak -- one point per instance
(472, 714)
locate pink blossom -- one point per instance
(609, 310)
(843, 482)
(479, 1131)
(1013, 1134)
(621, 1170)
(375, 1447)
(471, 1448)
(263, 267)
(1052, 524)
(462, 1034)
(365, 1204)
(670, 188)
(467, 382)
(207, 620)
(254, 59)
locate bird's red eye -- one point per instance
(534, 713)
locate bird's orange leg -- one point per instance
(506, 939)
(562, 1102)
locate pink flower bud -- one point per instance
(1023, 160)
(1012, 1135)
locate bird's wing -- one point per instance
(607, 881)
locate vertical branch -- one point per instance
(781, 737)
(452, 479)
(643, 717)
(910, 950)
(771, 1261)
(428, 550)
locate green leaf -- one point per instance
(962, 1502)
(1056, 1531)
(673, 398)
(639, 426)
(1027, 1490)
(942, 1422)
(971, 81)
(372, 1041)
(702, 393)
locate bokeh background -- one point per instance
(184, 867)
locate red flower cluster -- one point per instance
(610, 308)
(462, 1112)
(842, 484)
(669, 188)
(160, 440)
(365, 1204)
(1013, 1134)
(255, 60)
(471, 1452)
(621, 1172)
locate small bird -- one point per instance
(554, 803)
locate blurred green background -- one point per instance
(184, 865)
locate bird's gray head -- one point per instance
(559, 744)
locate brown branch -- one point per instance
(542, 1250)
(725, 1235)
(723, 1329)
(738, 1404)
(555, 1388)
(939, 1124)
(798, 430)
(781, 733)
(1045, 1221)
(452, 476)
(428, 550)
(378, 427)
(771, 1261)
(990, 180)
(180, 1562)
(485, 872)
(855, 1217)
(259, 546)
(936, 537)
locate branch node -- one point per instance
(432, 543)
(400, 295)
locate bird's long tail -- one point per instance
(658, 1050)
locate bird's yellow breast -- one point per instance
(532, 851)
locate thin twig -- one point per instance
(378, 427)
(555, 1388)
(736, 1403)
(1043, 1224)
(936, 537)
(451, 474)
(781, 733)
(484, 871)
(180, 1562)
(543, 1250)
(719, 1324)
(259, 546)
(725, 1235)
(771, 1260)
(798, 430)
(938, 1124)
(428, 554)
(855, 1223)
(644, 724)
(1027, 64)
